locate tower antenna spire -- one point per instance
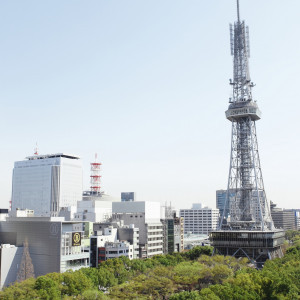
(238, 9)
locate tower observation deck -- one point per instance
(249, 230)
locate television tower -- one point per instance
(249, 230)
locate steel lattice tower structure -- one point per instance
(95, 177)
(249, 230)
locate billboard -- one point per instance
(76, 239)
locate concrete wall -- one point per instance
(138, 219)
(43, 241)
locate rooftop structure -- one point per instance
(128, 196)
(43, 156)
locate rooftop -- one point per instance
(70, 156)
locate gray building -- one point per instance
(283, 218)
(173, 235)
(130, 234)
(146, 217)
(54, 245)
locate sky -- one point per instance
(145, 84)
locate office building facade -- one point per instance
(47, 183)
(146, 217)
(173, 235)
(112, 240)
(284, 218)
(54, 245)
(200, 220)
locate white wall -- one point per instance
(10, 263)
(94, 210)
(151, 209)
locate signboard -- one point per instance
(76, 239)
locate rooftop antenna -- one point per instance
(95, 176)
(36, 150)
(238, 10)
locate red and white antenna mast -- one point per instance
(95, 176)
(36, 150)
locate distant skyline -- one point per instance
(145, 84)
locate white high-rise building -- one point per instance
(199, 220)
(46, 183)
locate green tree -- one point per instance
(20, 290)
(75, 283)
(187, 274)
(47, 288)
(92, 295)
(186, 296)
(198, 251)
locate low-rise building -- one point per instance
(117, 249)
(107, 242)
(54, 244)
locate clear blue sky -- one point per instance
(145, 84)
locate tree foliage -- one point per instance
(190, 275)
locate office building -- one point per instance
(146, 217)
(112, 240)
(54, 245)
(47, 183)
(116, 249)
(284, 218)
(297, 218)
(173, 233)
(199, 220)
(127, 233)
